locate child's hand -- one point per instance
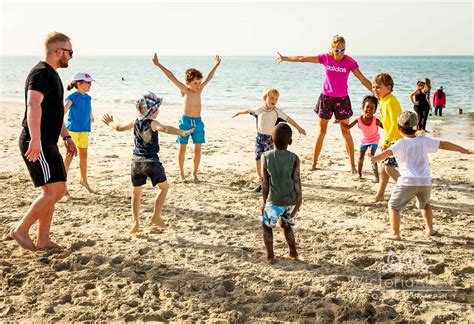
(302, 131)
(107, 119)
(235, 115)
(279, 58)
(188, 132)
(466, 151)
(337, 121)
(155, 60)
(92, 119)
(218, 60)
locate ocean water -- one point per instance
(240, 81)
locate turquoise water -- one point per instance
(239, 81)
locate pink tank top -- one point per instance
(370, 133)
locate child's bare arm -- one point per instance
(242, 112)
(265, 188)
(211, 73)
(67, 106)
(297, 180)
(379, 123)
(346, 126)
(444, 145)
(109, 121)
(295, 125)
(382, 156)
(168, 74)
(301, 59)
(92, 116)
(157, 126)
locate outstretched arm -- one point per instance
(346, 126)
(382, 156)
(109, 121)
(300, 59)
(168, 74)
(242, 112)
(157, 126)
(295, 125)
(366, 83)
(297, 180)
(444, 145)
(211, 73)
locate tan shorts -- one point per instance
(401, 195)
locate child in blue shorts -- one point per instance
(145, 160)
(281, 189)
(268, 116)
(191, 119)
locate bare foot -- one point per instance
(313, 167)
(196, 179)
(67, 194)
(378, 198)
(134, 229)
(431, 232)
(183, 178)
(292, 257)
(375, 180)
(354, 170)
(391, 236)
(23, 240)
(48, 245)
(269, 260)
(86, 185)
(158, 222)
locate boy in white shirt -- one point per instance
(411, 153)
(268, 116)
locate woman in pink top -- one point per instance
(439, 101)
(334, 98)
(369, 125)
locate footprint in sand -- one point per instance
(79, 245)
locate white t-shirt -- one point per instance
(266, 119)
(412, 159)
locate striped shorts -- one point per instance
(49, 168)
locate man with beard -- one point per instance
(42, 125)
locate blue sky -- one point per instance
(240, 27)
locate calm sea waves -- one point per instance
(239, 82)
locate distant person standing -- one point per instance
(420, 105)
(42, 125)
(427, 92)
(439, 101)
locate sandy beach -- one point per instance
(207, 264)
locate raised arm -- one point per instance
(157, 126)
(168, 74)
(109, 121)
(211, 73)
(366, 83)
(242, 112)
(444, 145)
(295, 125)
(297, 181)
(300, 59)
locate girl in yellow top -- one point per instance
(390, 109)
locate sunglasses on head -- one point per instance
(68, 50)
(339, 50)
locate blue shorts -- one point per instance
(187, 123)
(263, 143)
(372, 146)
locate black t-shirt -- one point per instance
(43, 78)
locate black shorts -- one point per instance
(149, 169)
(339, 106)
(49, 168)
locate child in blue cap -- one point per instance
(145, 160)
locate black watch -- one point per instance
(65, 138)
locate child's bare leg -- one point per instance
(67, 164)
(136, 205)
(392, 172)
(197, 160)
(384, 177)
(374, 166)
(181, 156)
(318, 145)
(159, 202)
(290, 239)
(83, 168)
(258, 165)
(268, 240)
(346, 134)
(427, 214)
(394, 225)
(361, 163)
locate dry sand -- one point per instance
(206, 265)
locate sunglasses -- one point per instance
(339, 50)
(68, 50)
(88, 82)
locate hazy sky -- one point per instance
(240, 27)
